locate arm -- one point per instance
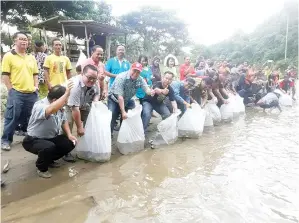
(217, 93)
(35, 75)
(6, 70)
(68, 68)
(59, 103)
(76, 114)
(47, 78)
(6, 81)
(174, 106)
(47, 72)
(178, 98)
(109, 68)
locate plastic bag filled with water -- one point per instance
(227, 112)
(285, 100)
(167, 130)
(214, 111)
(95, 145)
(131, 135)
(191, 123)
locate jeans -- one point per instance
(147, 109)
(114, 108)
(48, 150)
(18, 111)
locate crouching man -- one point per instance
(182, 93)
(163, 93)
(43, 138)
(270, 100)
(122, 91)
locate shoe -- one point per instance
(55, 165)
(20, 133)
(46, 174)
(69, 158)
(5, 146)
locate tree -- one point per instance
(158, 30)
(267, 42)
(18, 12)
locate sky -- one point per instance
(209, 21)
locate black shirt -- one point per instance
(160, 98)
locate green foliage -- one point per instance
(16, 12)
(158, 32)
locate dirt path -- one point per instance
(21, 180)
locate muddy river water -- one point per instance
(247, 171)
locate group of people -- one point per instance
(47, 124)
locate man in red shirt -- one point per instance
(186, 70)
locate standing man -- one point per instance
(43, 137)
(186, 69)
(85, 91)
(20, 75)
(117, 65)
(57, 67)
(123, 89)
(96, 59)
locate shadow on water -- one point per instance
(246, 171)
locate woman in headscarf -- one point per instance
(170, 63)
(155, 68)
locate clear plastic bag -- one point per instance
(240, 104)
(95, 145)
(227, 112)
(131, 135)
(192, 122)
(209, 119)
(214, 111)
(285, 100)
(167, 130)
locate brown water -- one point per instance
(247, 171)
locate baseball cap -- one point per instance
(136, 66)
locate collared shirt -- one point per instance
(20, 70)
(100, 66)
(180, 93)
(125, 86)
(115, 66)
(43, 127)
(82, 96)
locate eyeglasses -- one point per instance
(23, 39)
(91, 79)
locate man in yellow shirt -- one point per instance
(57, 67)
(57, 70)
(20, 75)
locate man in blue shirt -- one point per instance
(117, 65)
(182, 92)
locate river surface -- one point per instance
(247, 171)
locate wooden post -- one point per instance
(108, 45)
(64, 40)
(87, 41)
(45, 36)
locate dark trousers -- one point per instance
(114, 108)
(18, 110)
(147, 109)
(48, 150)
